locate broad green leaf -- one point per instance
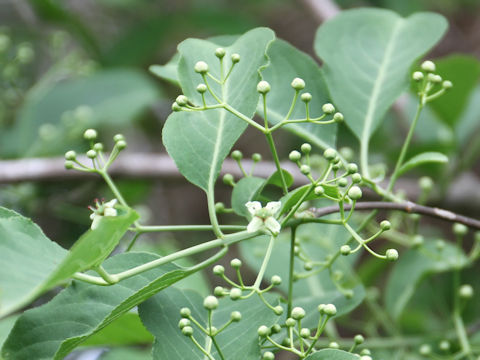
(276, 179)
(332, 354)
(53, 330)
(367, 56)
(469, 122)
(127, 354)
(27, 258)
(126, 330)
(318, 241)
(161, 314)
(53, 117)
(244, 191)
(413, 266)
(287, 63)
(6, 326)
(94, 246)
(423, 158)
(464, 72)
(198, 142)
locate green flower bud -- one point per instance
(321, 308)
(425, 183)
(342, 182)
(228, 179)
(444, 345)
(70, 155)
(434, 78)
(306, 97)
(359, 339)
(465, 291)
(319, 190)
(365, 352)
(212, 330)
(330, 154)
(345, 250)
(391, 254)
(4, 42)
(294, 156)
(185, 312)
(218, 270)
(348, 293)
(210, 302)
(440, 245)
(187, 331)
(425, 350)
(121, 145)
(417, 241)
(236, 316)
(201, 67)
(182, 100)
(268, 355)
(25, 53)
(98, 147)
(290, 322)
(92, 154)
(366, 357)
(256, 157)
(334, 345)
(305, 333)
(176, 107)
(355, 193)
(263, 331)
(385, 225)
(298, 313)
(219, 207)
(235, 58)
(305, 169)
(278, 310)
(237, 155)
(90, 134)
(263, 87)
(275, 329)
(328, 108)
(428, 66)
(417, 76)
(460, 229)
(69, 164)
(236, 263)
(298, 84)
(276, 280)
(356, 178)
(338, 117)
(447, 84)
(308, 266)
(352, 168)
(202, 88)
(306, 148)
(220, 53)
(235, 293)
(219, 291)
(183, 322)
(330, 310)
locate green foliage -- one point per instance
(331, 354)
(423, 158)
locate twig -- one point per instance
(408, 206)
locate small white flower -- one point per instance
(264, 216)
(102, 209)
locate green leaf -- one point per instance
(276, 180)
(289, 200)
(415, 265)
(464, 72)
(423, 158)
(287, 63)
(168, 71)
(332, 354)
(126, 330)
(244, 191)
(30, 258)
(469, 122)
(6, 326)
(367, 56)
(94, 246)
(106, 98)
(161, 314)
(53, 330)
(127, 354)
(198, 142)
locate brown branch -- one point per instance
(407, 206)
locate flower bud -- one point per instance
(201, 67)
(25, 53)
(342, 182)
(176, 107)
(218, 270)
(263, 87)
(428, 66)
(298, 313)
(92, 154)
(121, 145)
(69, 164)
(447, 84)
(219, 207)
(345, 250)
(330, 310)
(391, 254)
(366, 357)
(268, 355)
(90, 134)
(305, 169)
(4, 42)
(306, 97)
(219, 291)
(202, 88)
(183, 322)
(298, 84)
(295, 156)
(425, 183)
(365, 352)
(308, 266)
(460, 229)
(359, 339)
(306, 148)
(275, 329)
(290, 322)
(385, 225)
(210, 302)
(330, 154)
(338, 117)
(98, 147)
(278, 310)
(417, 241)
(465, 291)
(236, 263)
(276, 280)
(220, 53)
(237, 155)
(319, 190)
(417, 76)
(334, 345)
(444, 345)
(434, 78)
(328, 108)
(181, 100)
(185, 312)
(187, 331)
(70, 155)
(235, 58)
(263, 331)
(236, 316)
(305, 333)
(425, 350)
(352, 168)
(256, 157)
(235, 294)
(355, 193)
(228, 179)
(356, 178)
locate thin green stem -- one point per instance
(273, 150)
(164, 228)
(291, 265)
(266, 260)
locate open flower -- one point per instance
(102, 209)
(264, 216)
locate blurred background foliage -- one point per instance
(66, 66)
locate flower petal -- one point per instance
(111, 203)
(96, 221)
(273, 207)
(253, 206)
(273, 225)
(110, 212)
(255, 224)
